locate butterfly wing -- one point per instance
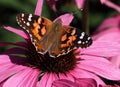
(69, 39)
(57, 40)
(38, 28)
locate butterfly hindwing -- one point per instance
(70, 39)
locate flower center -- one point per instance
(46, 63)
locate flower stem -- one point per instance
(85, 18)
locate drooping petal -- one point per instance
(80, 3)
(66, 19)
(19, 32)
(3, 44)
(110, 4)
(109, 30)
(100, 66)
(25, 78)
(112, 22)
(23, 44)
(52, 4)
(38, 9)
(102, 48)
(15, 50)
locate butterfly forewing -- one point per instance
(38, 28)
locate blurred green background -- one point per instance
(10, 8)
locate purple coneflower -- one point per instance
(32, 69)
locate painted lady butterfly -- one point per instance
(52, 37)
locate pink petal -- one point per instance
(115, 60)
(109, 85)
(13, 59)
(23, 44)
(108, 23)
(80, 3)
(110, 4)
(112, 35)
(80, 73)
(103, 1)
(64, 83)
(43, 80)
(81, 82)
(68, 76)
(86, 82)
(3, 44)
(25, 78)
(38, 9)
(47, 80)
(1, 83)
(4, 59)
(19, 32)
(66, 19)
(8, 69)
(102, 48)
(100, 66)
(15, 50)
(52, 4)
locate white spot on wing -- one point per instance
(20, 25)
(83, 42)
(22, 19)
(79, 42)
(75, 48)
(27, 31)
(29, 18)
(88, 38)
(17, 19)
(24, 22)
(30, 36)
(28, 24)
(23, 27)
(86, 41)
(22, 15)
(82, 35)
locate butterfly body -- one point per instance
(53, 37)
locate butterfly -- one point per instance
(52, 37)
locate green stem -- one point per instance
(85, 18)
